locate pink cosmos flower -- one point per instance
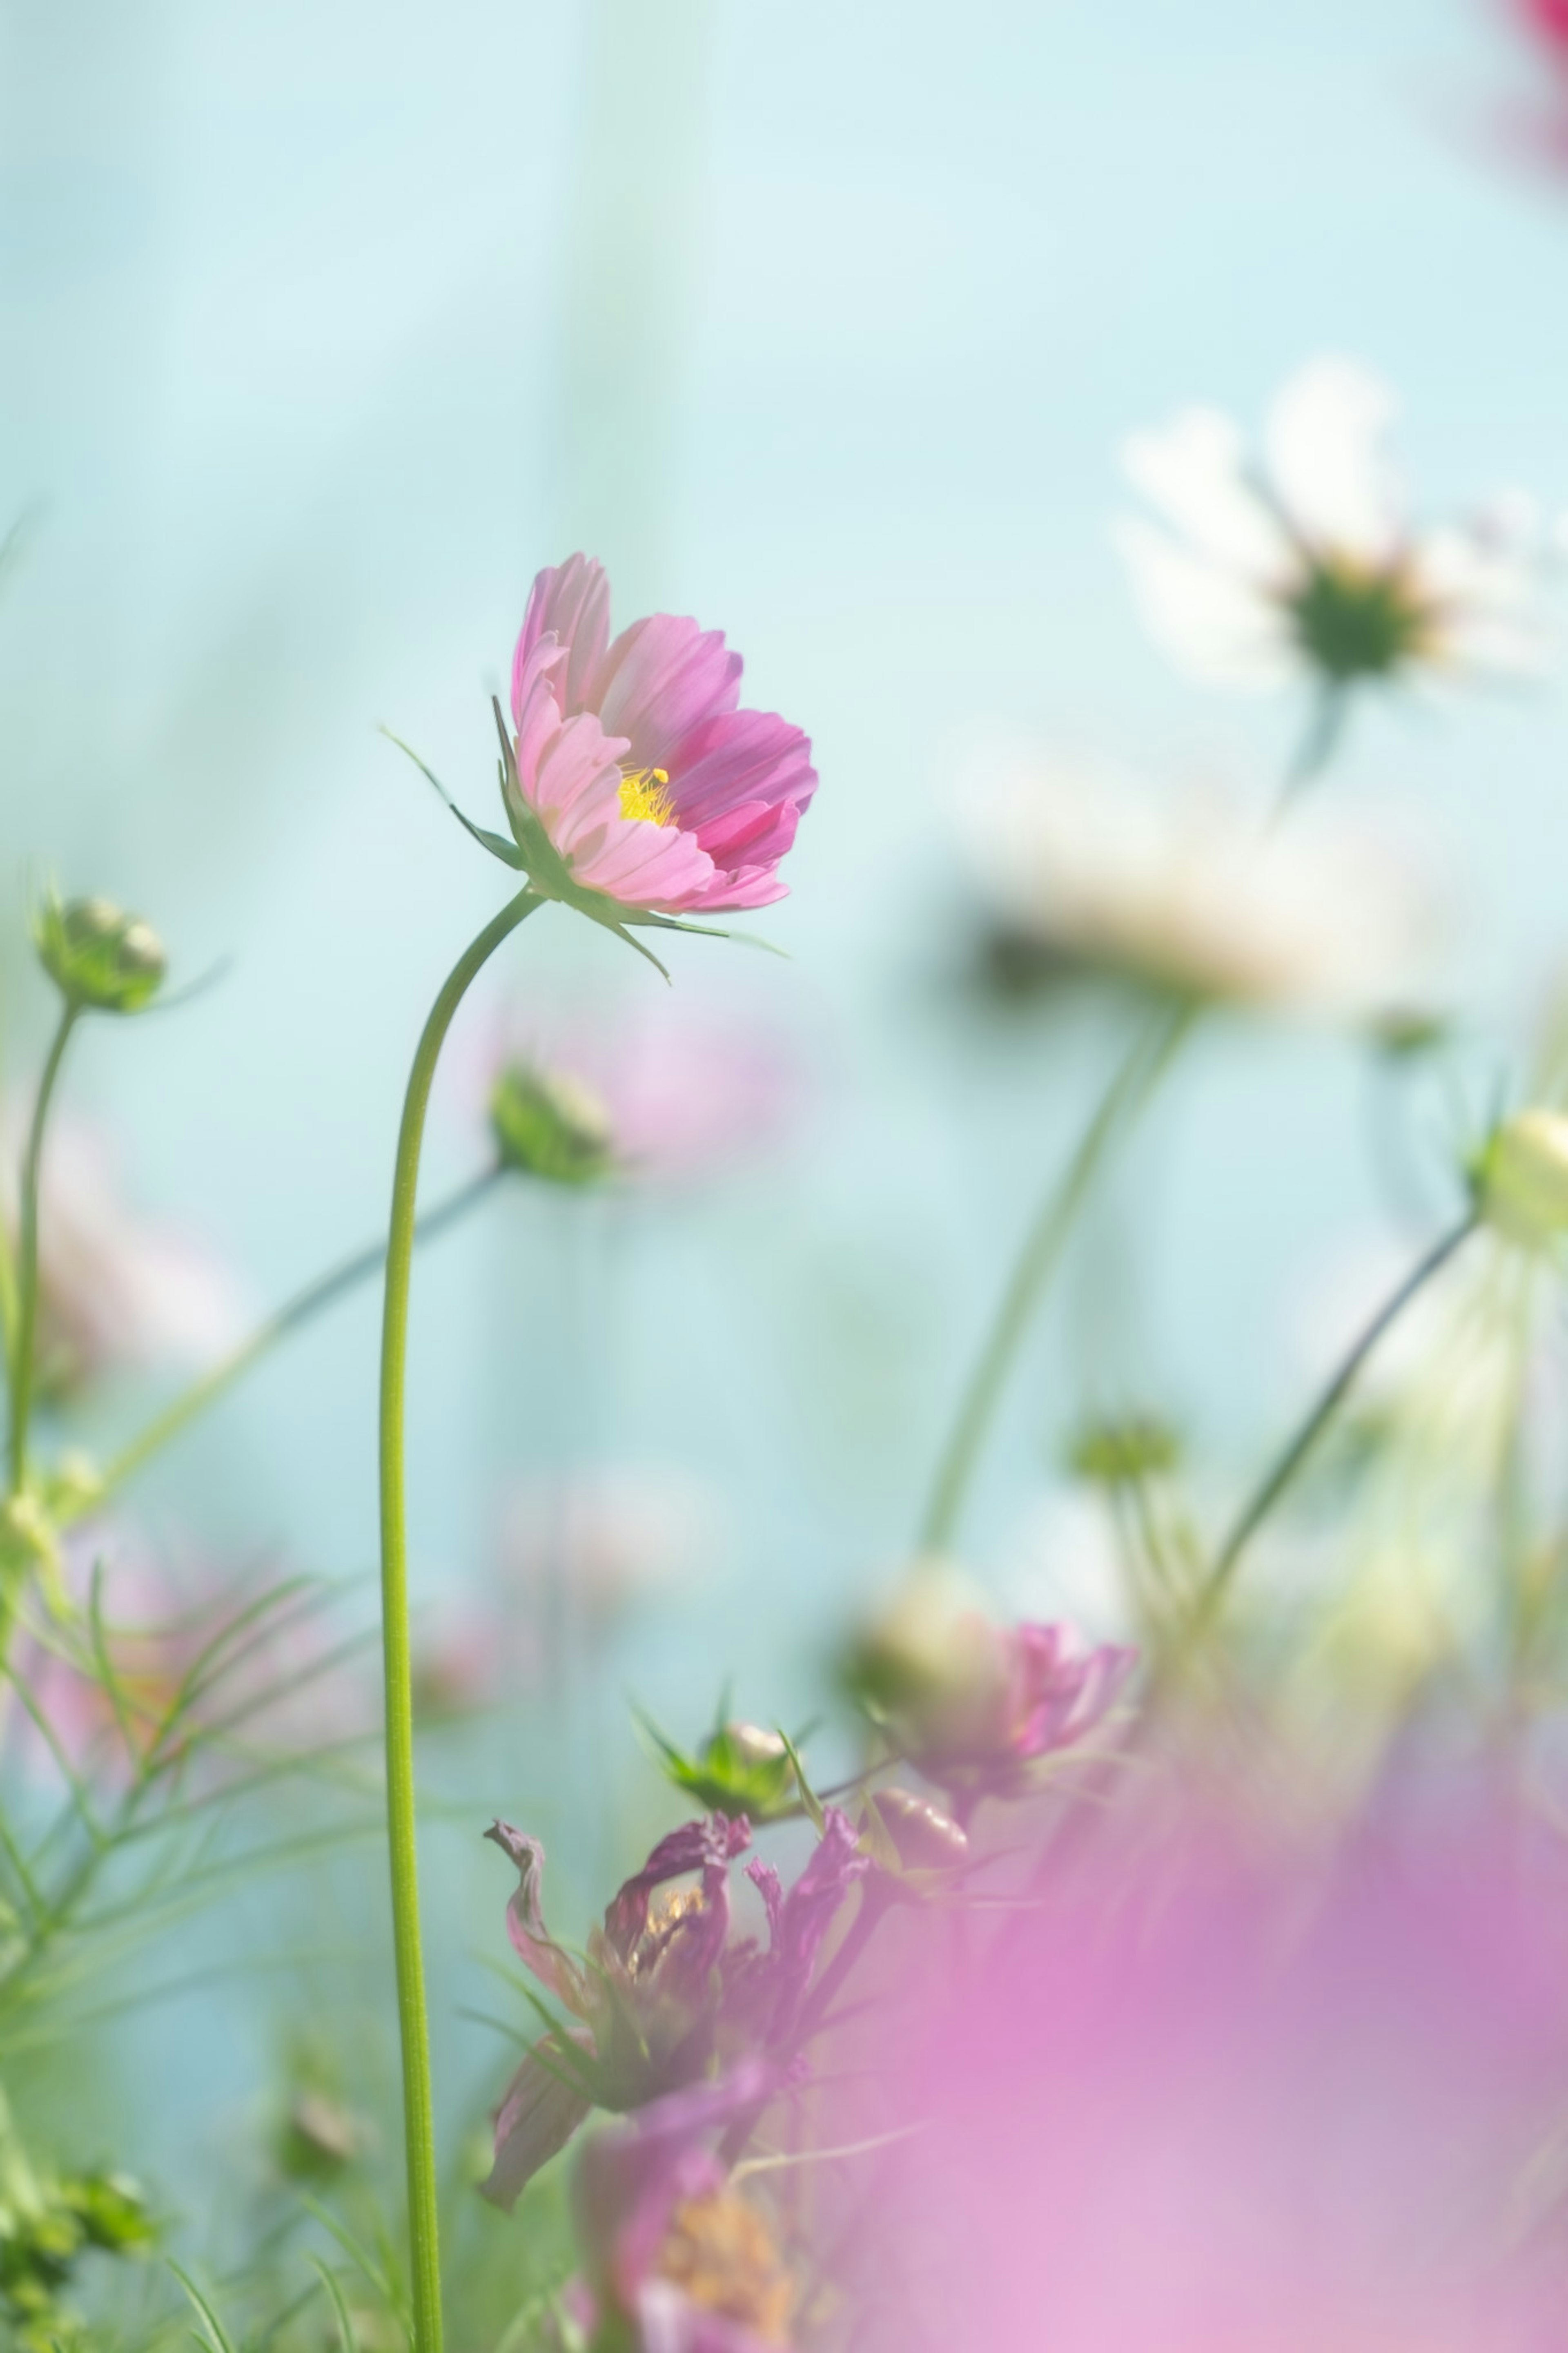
(974, 1705)
(633, 777)
(675, 2259)
(1213, 2100)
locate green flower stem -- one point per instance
(1151, 1051)
(418, 2123)
(26, 1342)
(1320, 740)
(1295, 1453)
(301, 1310)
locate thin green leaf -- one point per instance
(364, 2264)
(329, 2280)
(498, 845)
(808, 1797)
(217, 2339)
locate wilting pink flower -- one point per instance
(633, 775)
(972, 1705)
(662, 1995)
(1211, 2100)
(675, 2259)
(115, 1291)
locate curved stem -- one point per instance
(28, 1256)
(1133, 1082)
(1295, 1453)
(305, 1304)
(418, 2124)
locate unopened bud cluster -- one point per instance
(99, 958)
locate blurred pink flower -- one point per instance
(1548, 19)
(634, 763)
(974, 1705)
(199, 1658)
(602, 1539)
(676, 2260)
(1214, 2102)
(682, 1092)
(115, 1291)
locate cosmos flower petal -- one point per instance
(740, 758)
(661, 678)
(541, 2112)
(648, 724)
(570, 603)
(531, 1939)
(1326, 459)
(1194, 473)
(1216, 625)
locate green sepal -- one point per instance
(496, 843)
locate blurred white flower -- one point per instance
(1085, 866)
(115, 1291)
(1304, 559)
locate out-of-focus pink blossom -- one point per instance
(682, 1092)
(633, 761)
(197, 1659)
(1213, 2100)
(115, 1291)
(606, 1537)
(676, 2258)
(974, 1705)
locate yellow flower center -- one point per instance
(645, 793)
(720, 2252)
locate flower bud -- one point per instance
(550, 1125)
(1521, 1183)
(922, 1836)
(1122, 1454)
(98, 957)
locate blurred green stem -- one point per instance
(1295, 1453)
(25, 1341)
(418, 2123)
(1151, 1051)
(305, 1304)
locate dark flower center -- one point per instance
(1351, 622)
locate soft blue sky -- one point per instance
(325, 325)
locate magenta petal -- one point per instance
(755, 834)
(538, 2116)
(570, 602)
(531, 1940)
(661, 678)
(736, 758)
(753, 886)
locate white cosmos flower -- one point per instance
(1301, 557)
(1086, 866)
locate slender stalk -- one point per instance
(27, 1255)
(1300, 1445)
(418, 2123)
(1152, 1050)
(1324, 734)
(305, 1304)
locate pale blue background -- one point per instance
(325, 325)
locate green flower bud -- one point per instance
(1521, 1182)
(1119, 1453)
(547, 1124)
(739, 1769)
(99, 958)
